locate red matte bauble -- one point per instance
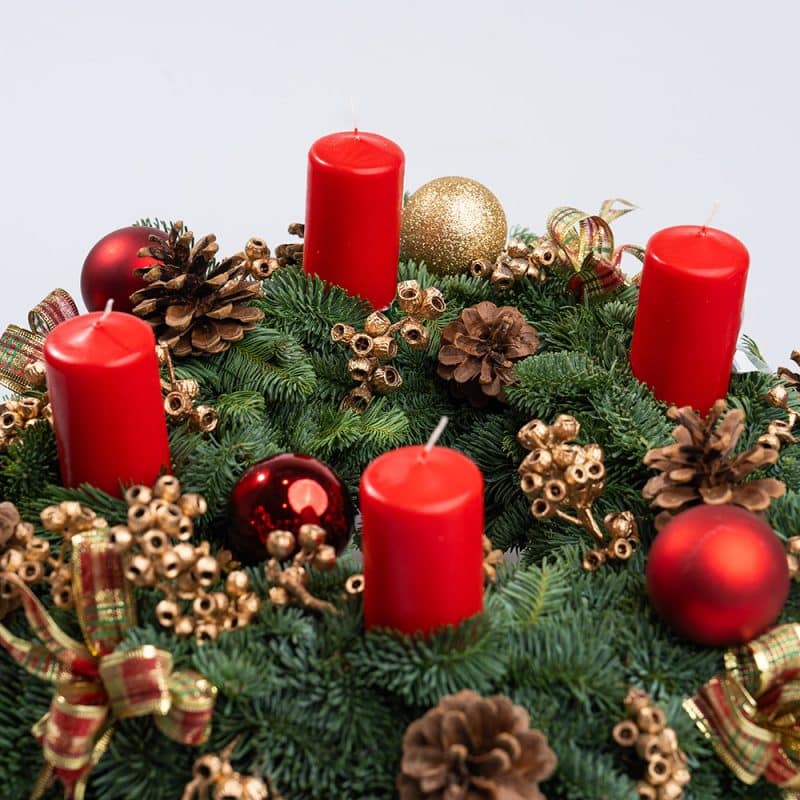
(718, 575)
(283, 493)
(108, 270)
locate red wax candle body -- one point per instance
(105, 391)
(422, 539)
(689, 314)
(353, 207)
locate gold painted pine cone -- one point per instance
(473, 748)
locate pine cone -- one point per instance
(479, 350)
(474, 748)
(291, 254)
(792, 379)
(701, 467)
(197, 307)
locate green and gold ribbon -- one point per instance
(585, 245)
(751, 712)
(20, 347)
(96, 683)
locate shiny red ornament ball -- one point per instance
(283, 493)
(108, 269)
(718, 575)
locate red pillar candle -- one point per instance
(105, 392)
(689, 314)
(422, 539)
(353, 207)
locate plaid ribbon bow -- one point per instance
(751, 713)
(20, 347)
(97, 684)
(587, 244)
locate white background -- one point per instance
(205, 110)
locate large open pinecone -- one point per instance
(701, 467)
(479, 350)
(473, 748)
(196, 307)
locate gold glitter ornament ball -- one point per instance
(450, 222)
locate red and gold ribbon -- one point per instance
(20, 347)
(96, 683)
(586, 246)
(751, 712)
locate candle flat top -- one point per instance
(99, 339)
(410, 477)
(362, 152)
(701, 250)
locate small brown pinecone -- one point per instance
(480, 348)
(473, 748)
(701, 466)
(197, 307)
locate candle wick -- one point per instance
(711, 216)
(434, 437)
(106, 312)
(355, 116)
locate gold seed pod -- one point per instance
(377, 324)
(204, 606)
(681, 776)
(647, 746)
(168, 518)
(415, 334)
(566, 454)
(24, 533)
(256, 248)
(545, 252)
(221, 601)
(542, 509)
(354, 585)
(177, 405)
(593, 452)
(481, 268)
(531, 483)
(566, 428)
(644, 791)
(657, 770)
(206, 631)
(153, 542)
(206, 570)
(205, 419)
(596, 470)
(408, 296)
(519, 266)
(432, 305)
(7, 589)
(11, 560)
(671, 790)
(361, 369)
(140, 518)
(140, 571)
(184, 626)
(167, 611)
(9, 422)
(193, 505)
(502, 276)
(357, 399)
(517, 248)
(620, 524)
(248, 603)
(255, 788)
(554, 491)
(342, 333)
(29, 408)
(168, 564)
(230, 789)
(138, 495)
(281, 544)
(636, 700)
(186, 586)
(384, 347)
(625, 733)
(237, 583)
(620, 549)
(793, 545)
(39, 550)
(31, 571)
(168, 487)
(593, 560)
(325, 558)
(534, 434)
(311, 537)
(386, 380)
(651, 719)
(778, 397)
(263, 268)
(667, 741)
(207, 767)
(576, 475)
(278, 596)
(62, 596)
(36, 374)
(53, 518)
(361, 344)
(186, 554)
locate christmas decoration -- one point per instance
(645, 730)
(97, 683)
(179, 402)
(696, 580)
(451, 222)
(517, 261)
(196, 306)
(110, 270)
(480, 348)
(22, 351)
(583, 244)
(470, 746)
(701, 466)
(492, 559)
(749, 711)
(157, 552)
(377, 343)
(290, 583)
(792, 379)
(778, 397)
(291, 254)
(17, 415)
(214, 777)
(558, 474)
(283, 493)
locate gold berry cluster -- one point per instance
(213, 776)
(181, 396)
(558, 475)
(157, 553)
(519, 260)
(377, 343)
(16, 415)
(645, 730)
